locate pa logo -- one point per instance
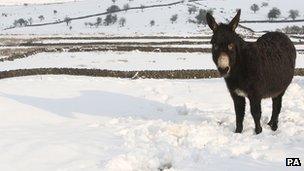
(293, 162)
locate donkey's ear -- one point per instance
(211, 22)
(235, 21)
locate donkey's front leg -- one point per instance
(255, 108)
(239, 107)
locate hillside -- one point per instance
(21, 2)
(138, 21)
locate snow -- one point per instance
(123, 61)
(271, 26)
(86, 123)
(56, 41)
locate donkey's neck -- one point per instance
(241, 44)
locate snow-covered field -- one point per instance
(123, 61)
(56, 41)
(84, 123)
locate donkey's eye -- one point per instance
(231, 46)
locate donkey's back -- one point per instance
(276, 56)
(277, 49)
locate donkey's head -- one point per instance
(224, 43)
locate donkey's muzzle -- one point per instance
(224, 71)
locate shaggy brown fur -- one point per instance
(256, 70)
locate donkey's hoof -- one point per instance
(273, 125)
(258, 130)
(239, 130)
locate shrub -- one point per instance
(126, 7)
(41, 17)
(113, 8)
(201, 17)
(67, 20)
(30, 21)
(20, 22)
(191, 21)
(89, 24)
(293, 30)
(142, 7)
(152, 23)
(173, 18)
(98, 21)
(122, 22)
(192, 9)
(110, 19)
(264, 4)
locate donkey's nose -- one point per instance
(224, 71)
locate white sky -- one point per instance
(12, 2)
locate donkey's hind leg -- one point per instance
(276, 109)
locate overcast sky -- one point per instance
(11, 2)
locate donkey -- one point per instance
(256, 70)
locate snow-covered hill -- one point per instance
(138, 21)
